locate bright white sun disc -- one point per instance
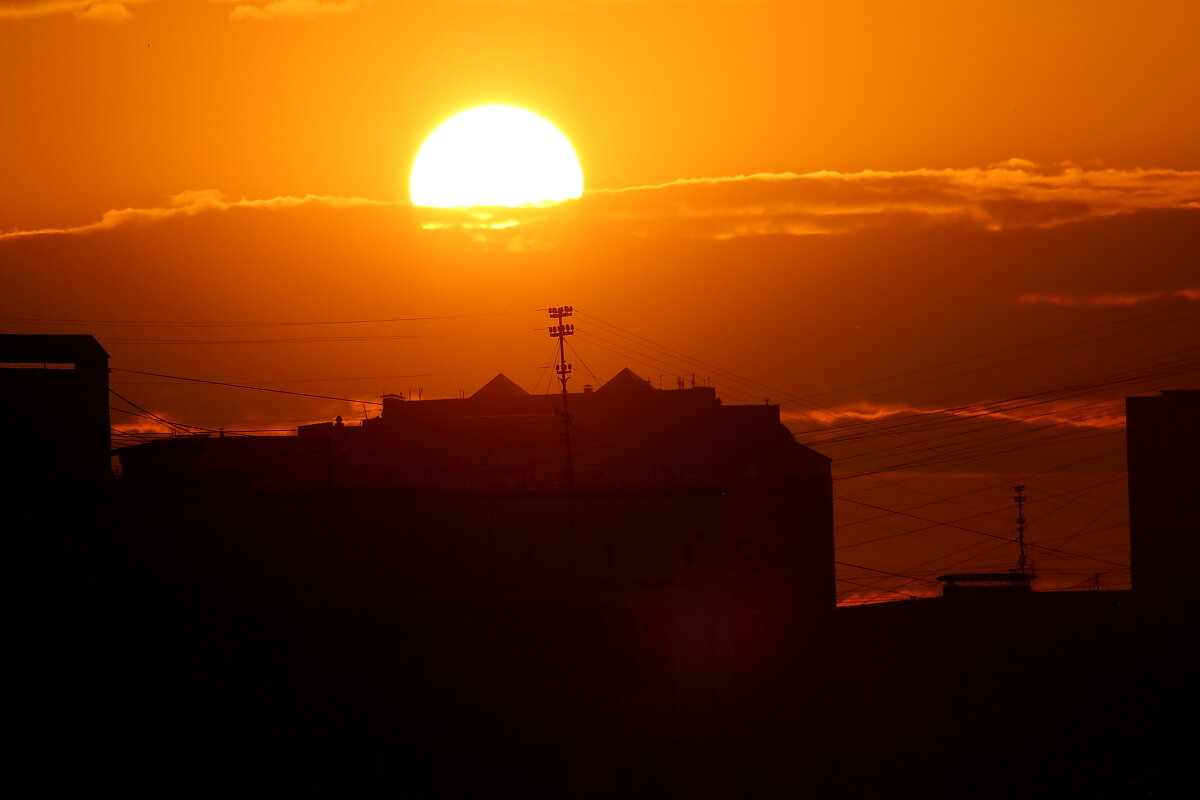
(495, 156)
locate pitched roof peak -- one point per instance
(626, 381)
(500, 386)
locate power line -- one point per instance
(584, 363)
(919, 419)
(318, 380)
(149, 414)
(983, 411)
(291, 340)
(877, 588)
(244, 386)
(883, 572)
(280, 324)
(981, 533)
(175, 427)
(1166, 318)
(960, 519)
(788, 398)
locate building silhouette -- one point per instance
(429, 568)
(417, 602)
(625, 435)
(1163, 452)
(1163, 447)
(632, 445)
(54, 400)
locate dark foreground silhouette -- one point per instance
(333, 615)
(329, 644)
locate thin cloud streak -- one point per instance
(299, 10)
(1011, 195)
(117, 12)
(190, 204)
(111, 13)
(1067, 414)
(1191, 293)
(86, 10)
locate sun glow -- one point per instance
(495, 156)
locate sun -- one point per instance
(495, 156)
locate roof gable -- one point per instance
(626, 381)
(500, 386)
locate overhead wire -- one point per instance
(878, 589)
(289, 340)
(675, 368)
(1034, 402)
(584, 363)
(979, 532)
(786, 397)
(1020, 346)
(246, 386)
(251, 324)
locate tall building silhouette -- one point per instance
(1163, 447)
(1163, 450)
(54, 401)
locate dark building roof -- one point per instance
(52, 348)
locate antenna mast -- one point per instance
(1022, 563)
(561, 331)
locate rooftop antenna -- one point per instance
(1013, 581)
(561, 331)
(1019, 498)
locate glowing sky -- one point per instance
(998, 200)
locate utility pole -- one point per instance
(1022, 564)
(561, 331)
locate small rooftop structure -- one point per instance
(975, 583)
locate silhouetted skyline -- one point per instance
(938, 245)
(905, 242)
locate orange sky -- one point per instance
(180, 95)
(989, 201)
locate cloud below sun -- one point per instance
(1004, 196)
(1010, 195)
(189, 204)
